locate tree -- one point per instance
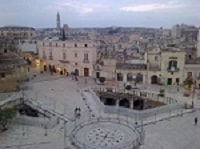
(138, 79)
(5, 115)
(128, 87)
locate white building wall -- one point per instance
(70, 50)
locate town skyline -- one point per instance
(87, 13)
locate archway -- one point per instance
(45, 67)
(54, 68)
(65, 71)
(119, 77)
(138, 104)
(129, 77)
(124, 103)
(86, 72)
(154, 79)
(110, 102)
(50, 68)
(76, 72)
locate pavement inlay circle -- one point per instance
(105, 134)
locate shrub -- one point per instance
(128, 87)
(5, 115)
(102, 79)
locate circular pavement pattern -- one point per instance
(106, 135)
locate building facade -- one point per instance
(16, 32)
(68, 57)
(164, 67)
(13, 70)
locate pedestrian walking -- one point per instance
(195, 120)
(192, 104)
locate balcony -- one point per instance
(173, 69)
(86, 61)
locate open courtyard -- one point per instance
(63, 94)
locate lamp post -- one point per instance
(193, 92)
(65, 130)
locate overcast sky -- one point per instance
(100, 13)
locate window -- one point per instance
(156, 58)
(50, 44)
(85, 56)
(189, 74)
(56, 44)
(5, 50)
(172, 64)
(63, 44)
(76, 64)
(75, 54)
(43, 54)
(75, 45)
(50, 53)
(64, 56)
(3, 75)
(86, 45)
(177, 81)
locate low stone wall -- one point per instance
(8, 85)
(35, 121)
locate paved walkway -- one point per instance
(63, 96)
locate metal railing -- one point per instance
(133, 144)
(168, 110)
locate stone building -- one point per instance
(164, 66)
(16, 32)
(13, 70)
(67, 56)
(192, 72)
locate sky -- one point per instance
(100, 13)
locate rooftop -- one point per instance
(131, 66)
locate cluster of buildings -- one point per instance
(13, 71)
(149, 56)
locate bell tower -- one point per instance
(58, 21)
(198, 44)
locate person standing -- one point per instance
(195, 120)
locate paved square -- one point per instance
(57, 94)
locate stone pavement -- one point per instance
(58, 94)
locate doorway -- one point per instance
(86, 72)
(97, 75)
(169, 81)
